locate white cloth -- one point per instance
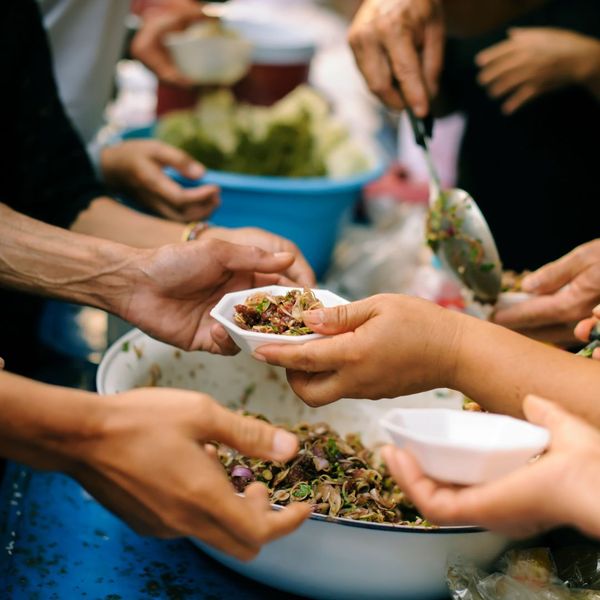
(87, 39)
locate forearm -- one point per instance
(106, 218)
(498, 368)
(40, 424)
(46, 260)
(588, 73)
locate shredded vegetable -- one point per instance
(338, 476)
(267, 313)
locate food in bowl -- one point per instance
(339, 476)
(264, 312)
(296, 137)
(511, 280)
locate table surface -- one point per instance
(58, 543)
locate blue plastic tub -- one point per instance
(307, 210)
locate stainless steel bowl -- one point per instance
(326, 557)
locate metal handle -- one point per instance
(595, 333)
(422, 128)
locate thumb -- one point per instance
(544, 413)
(554, 275)
(339, 319)
(181, 161)
(251, 436)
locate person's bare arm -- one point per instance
(115, 446)
(168, 291)
(391, 345)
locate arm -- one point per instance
(168, 292)
(115, 445)
(392, 345)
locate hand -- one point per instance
(147, 46)
(136, 166)
(584, 329)
(400, 40)
(173, 288)
(385, 346)
(300, 271)
(567, 291)
(146, 460)
(534, 61)
(558, 489)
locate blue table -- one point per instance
(58, 543)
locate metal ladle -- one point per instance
(463, 240)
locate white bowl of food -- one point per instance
(250, 315)
(210, 54)
(327, 557)
(465, 447)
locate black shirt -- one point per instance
(534, 173)
(45, 170)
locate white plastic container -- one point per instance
(249, 341)
(465, 447)
(209, 55)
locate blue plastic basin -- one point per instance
(307, 210)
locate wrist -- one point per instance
(451, 335)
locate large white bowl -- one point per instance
(326, 557)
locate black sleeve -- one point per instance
(46, 172)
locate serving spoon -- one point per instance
(456, 229)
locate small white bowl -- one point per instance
(249, 341)
(210, 59)
(465, 447)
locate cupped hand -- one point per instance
(566, 291)
(300, 272)
(384, 346)
(558, 489)
(148, 45)
(534, 61)
(147, 462)
(400, 40)
(136, 166)
(173, 288)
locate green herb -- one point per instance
(487, 267)
(332, 449)
(302, 491)
(125, 347)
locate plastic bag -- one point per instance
(530, 574)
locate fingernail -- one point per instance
(282, 255)
(259, 357)
(284, 443)
(195, 170)
(314, 317)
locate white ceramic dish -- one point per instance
(209, 59)
(465, 447)
(249, 341)
(324, 558)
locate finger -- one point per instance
(596, 354)
(596, 311)
(301, 272)
(317, 389)
(583, 329)
(433, 55)
(1, 363)
(250, 436)
(339, 319)
(221, 338)
(181, 161)
(406, 68)
(524, 94)
(551, 277)
(235, 257)
(311, 357)
(536, 312)
(499, 68)
(494, 53)
(372, 61)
